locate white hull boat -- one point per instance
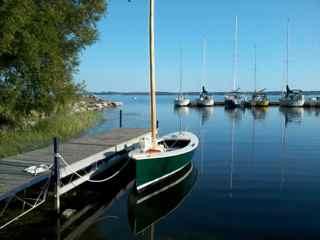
(295, 97)
(292, 101)
(181, 101)
(206, 101)
(234, 99)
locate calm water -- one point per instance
(258, 173)
(255, 175)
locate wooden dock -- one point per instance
(79, 153)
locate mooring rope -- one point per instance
(58, 155)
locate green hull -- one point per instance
(152, 171)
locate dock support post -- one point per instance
(157, 124)
(56, 174)
(120, 120)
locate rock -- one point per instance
(93, 103)
(118, 104)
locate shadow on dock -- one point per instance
(79, 160)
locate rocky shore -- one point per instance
(93, 103)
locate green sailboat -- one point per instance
(158, 158)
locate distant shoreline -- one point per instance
(160, 93)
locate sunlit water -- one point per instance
(259, 173)
(256, 175)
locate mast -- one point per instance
(204, 61)
(287, 53)
(255, 68)
(235, 57)
(152, 76)
(181, 71)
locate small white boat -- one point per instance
(295, 97)
(205, 99)
(292, 98)
(259, 98)
(181, 100)
(234, 99)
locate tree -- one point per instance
(40, 42)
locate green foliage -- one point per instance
(40, 42)
(62, 125)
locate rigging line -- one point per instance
(255, 68)
(204, 62)
(235, 56)
(181, 71)
(43, 192)
(90, 180)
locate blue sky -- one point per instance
(118, 61)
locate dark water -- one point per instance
(255, 175)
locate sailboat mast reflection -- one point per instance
(253, 140)
(232, 157)
(284, 150)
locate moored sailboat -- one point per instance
(259, 98)
(234, 99)
(295, 97)
(292, 98)
(181, 100)
(205, 99)
(159, 158)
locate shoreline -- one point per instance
(39, 132)
(62, 125)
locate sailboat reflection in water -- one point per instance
(294, 114)
(148, 208)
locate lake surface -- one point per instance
(258, 173)
(255, 175)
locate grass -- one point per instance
(1, 187)
(63, 126)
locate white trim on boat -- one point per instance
(160, 178)
(166, 187)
